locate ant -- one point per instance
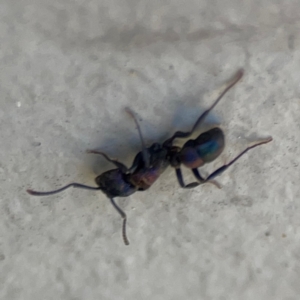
(151, 162)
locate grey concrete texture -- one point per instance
(68, 69)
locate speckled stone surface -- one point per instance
(67, 71)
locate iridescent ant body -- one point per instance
(152, 161)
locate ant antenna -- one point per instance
(74, 184)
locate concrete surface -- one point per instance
(68, 69)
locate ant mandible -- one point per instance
(152, 161)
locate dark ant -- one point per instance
(151, 162)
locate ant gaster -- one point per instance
(151, 162)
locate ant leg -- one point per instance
(119, 165)
(193, 184)
(138, 160)
(74, 184)
(144, 149)
(201, 180)
(224, 167)
(197, 175)
(124, 217)
(181, 134)
(181, 182)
